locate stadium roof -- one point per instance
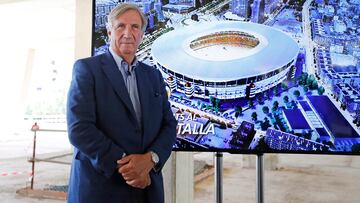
(276, 50)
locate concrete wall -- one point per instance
(83, 28)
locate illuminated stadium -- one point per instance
(221, 58)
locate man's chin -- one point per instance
(127, 48)
(128, 52)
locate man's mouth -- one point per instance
(127, 42)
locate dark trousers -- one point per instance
(137, 196)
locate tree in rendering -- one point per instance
(265, 109)
(297, 93)
(302, 79)
(217, 104)
(265, 124)
(314, 85)
(238, 111)
(321, 90)
(286, 99)
(254, 116)
(293, 104)
(212, 100)
(266, 94)
(276, 104)
(310, 79)
(275, 91)
(305, 88)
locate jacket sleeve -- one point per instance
(166, 138)
(81, 122)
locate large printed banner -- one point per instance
(255, 76)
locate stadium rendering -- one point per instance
(220, 59)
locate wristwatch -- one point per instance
(154, 157)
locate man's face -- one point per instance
(126, 34)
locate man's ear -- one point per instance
(109, 33)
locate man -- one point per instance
(119, 120)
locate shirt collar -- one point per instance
(120, 62)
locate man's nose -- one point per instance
(127, 31)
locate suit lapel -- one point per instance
(144, 85)
(117, 81)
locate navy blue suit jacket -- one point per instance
(102, 126)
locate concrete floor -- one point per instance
(286, 185)
(18, 177)
(288, 179)
(291, 179)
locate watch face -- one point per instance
(154, 157)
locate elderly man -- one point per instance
(119, 120)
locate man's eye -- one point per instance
(136, 26)
(120, 26)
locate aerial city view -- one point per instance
(254, 75)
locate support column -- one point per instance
(169, 178)
(83, 28)
(178, 175)
(184, 173)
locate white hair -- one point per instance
(121, 9)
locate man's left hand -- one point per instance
(134, 166)
(140, 182)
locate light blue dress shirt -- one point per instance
(128, 73)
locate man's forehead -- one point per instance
(129, 15)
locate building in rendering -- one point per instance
(240, 8)
(258, 11)
(220, 59)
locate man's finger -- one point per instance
(125, 168)
(134, 183)
(130, 175)
(129, 178)
(124, 160)
(139, 182)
